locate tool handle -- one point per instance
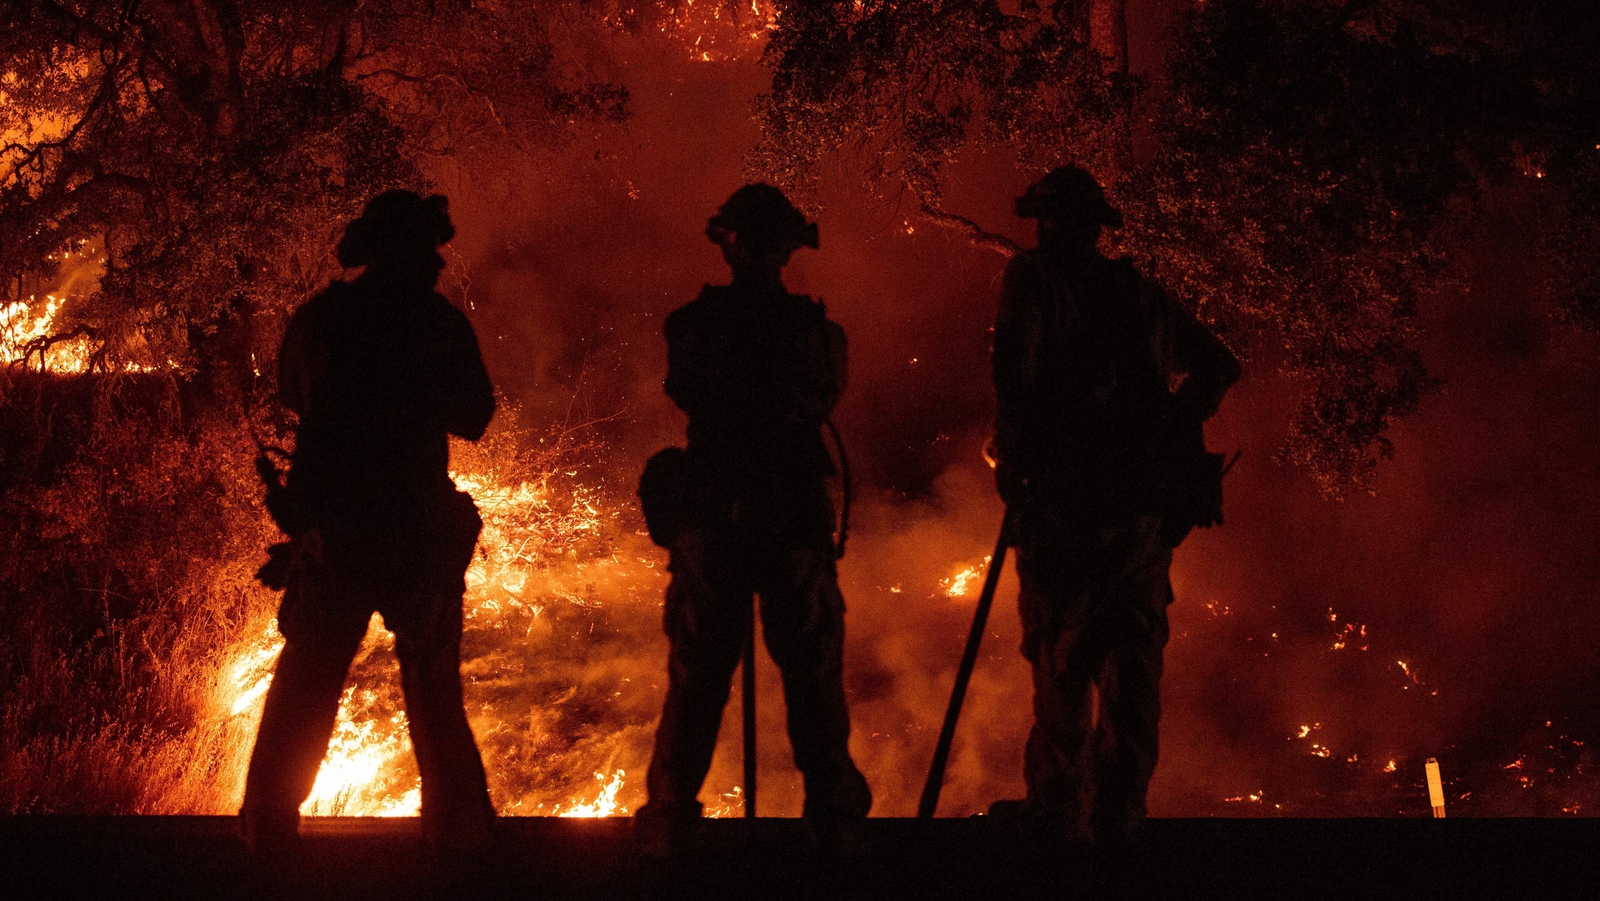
(747, 691)
(969, 659)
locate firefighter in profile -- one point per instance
(745, 511)
(381, 371)
(1102, 384)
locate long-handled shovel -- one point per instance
(969, 659)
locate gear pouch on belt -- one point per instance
(415, 564)
(1195, 498)
(675, 494)
(462, 525)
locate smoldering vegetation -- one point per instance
(129, 542)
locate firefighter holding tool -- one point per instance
(1102, 384)
(745, 512)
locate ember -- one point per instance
(965, 580)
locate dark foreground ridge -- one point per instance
(200, 857)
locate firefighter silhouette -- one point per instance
(381, 371)
(1104, 470)
(745, 511)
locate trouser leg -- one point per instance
(455, 793)
(1094, 609)
(1132, 713)
(802, 613)
(1056, 756)
(298, 718)
(1131, 695)
(708, 615)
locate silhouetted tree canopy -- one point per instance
(1302, 179)
(907, 86)
(210, 150)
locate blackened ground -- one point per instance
(200, 857)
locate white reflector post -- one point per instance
(1435, 789)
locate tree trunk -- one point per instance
(1108, 34)
(1108, 37)
(201, 40)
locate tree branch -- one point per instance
(40, 347)
(33, 156)
(81, 22)
(979, 235)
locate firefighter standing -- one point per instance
(380, 370)
(746, 512)
(1103, 467)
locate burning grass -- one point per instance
(139, 647)
(136, 648)
(560, 578)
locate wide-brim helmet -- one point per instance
(759, 214)
(1068, 194)
(396, 224)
